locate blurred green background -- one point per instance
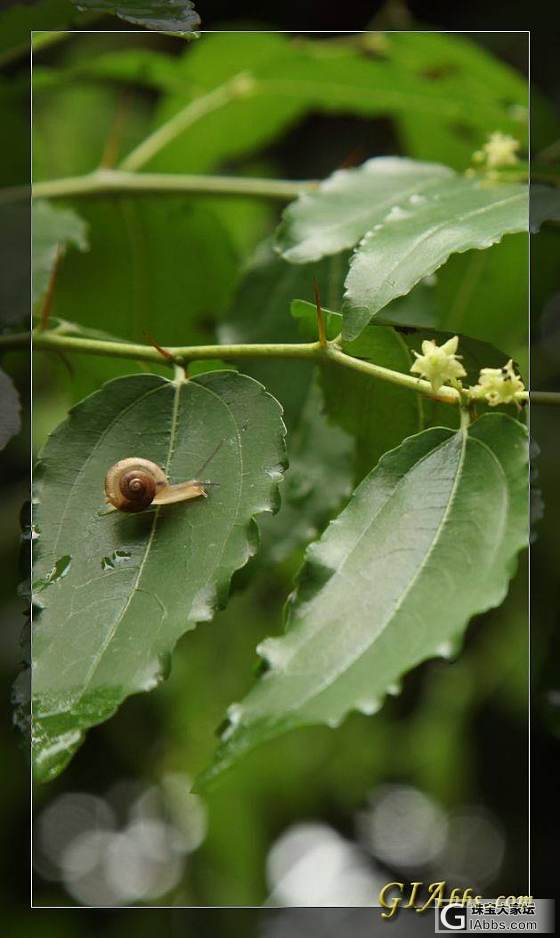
(436, 784)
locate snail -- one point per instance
(134, 484)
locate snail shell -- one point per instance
(132, 484)
(135, 483)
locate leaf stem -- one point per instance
(117, 182)
(238, 86)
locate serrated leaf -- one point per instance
(428, 540)
(161, 15)
(53, 230)
(462, 215)
(350, 202)
(409, 218)
(133, 584)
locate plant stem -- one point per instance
(544, 397)
(117, 182)
(308, 351)
(180, 354)
(445, 394)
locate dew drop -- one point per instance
(397, 214)
(369, 707)
(446, 650)
(416, 199)
(430, 280)
(394, 689)
(334, 722)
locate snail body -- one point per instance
(134, 484)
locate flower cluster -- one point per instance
(439, 363)
(498, 385)
(499, 150)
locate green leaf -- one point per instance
(10, 409)
(177, 16)
(54, 229)
(410, 218)
(428, 540)
(133, 584)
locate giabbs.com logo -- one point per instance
(452, 917)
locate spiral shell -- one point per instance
(132, 484)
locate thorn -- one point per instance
(67, 364)
(320, 316)
(162, 351)
(49, 295)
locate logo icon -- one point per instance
(452, 917)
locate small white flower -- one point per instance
(439, 363)
(498, 385)
(499, 150)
